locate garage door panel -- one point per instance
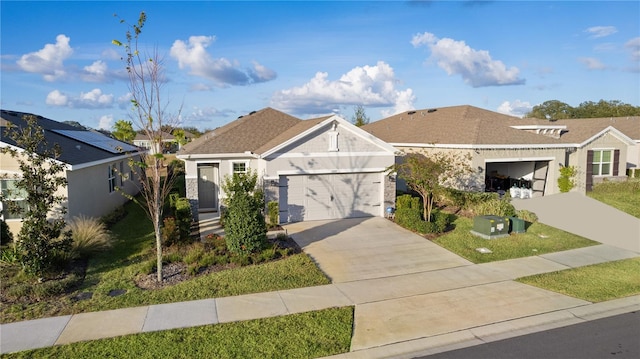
(360, 194)
(319, 197)
(332, 196)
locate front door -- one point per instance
(207, 187)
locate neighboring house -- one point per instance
(165, 145)
(93, 162)
(321, 168)
(504, 151)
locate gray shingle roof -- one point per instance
(468, 125)
(248, 133)
(74, 152)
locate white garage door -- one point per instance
(330, 196)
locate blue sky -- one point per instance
(308, 58)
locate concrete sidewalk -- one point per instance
(417, 312)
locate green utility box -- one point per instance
(517, 225)
(490, 227)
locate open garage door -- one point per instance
(523, 174)
(330, 196)
(539, 178)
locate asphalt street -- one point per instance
(611, 337)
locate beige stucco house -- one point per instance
(506, 151)
(322, 168)
(96, 168)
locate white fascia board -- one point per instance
(21, 150)
(539, 127)
(101, 162)
(217, 156)
(333, 171)
(486, 147)
(330, 154)
(358, 131)
(614, 131)
(518, 159)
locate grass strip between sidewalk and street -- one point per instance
(306, 335)
(594, 283)
(538, 239)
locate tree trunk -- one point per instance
(158, 232)
(427, 217)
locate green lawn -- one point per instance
(307, 335)
(595, 283)
(624, 196)
(117, 268)
(538, 239)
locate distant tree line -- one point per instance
(558, 110)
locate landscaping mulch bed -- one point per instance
(174, 273)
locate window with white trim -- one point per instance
(239, 167)
(112, 178)
(10, 193)
(602, 163)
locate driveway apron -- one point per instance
(367, 248)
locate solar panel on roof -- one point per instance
(98, 140)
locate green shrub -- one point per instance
(6, 236)
(244, 224)
(89, 237)
(184, 217)
(566, 181)
(527, 215)
(170, 231)
(494, 206)
(193, 255)
(273, 210)
(114, 216)
(245, 228)
(409, 215)
(441, 221)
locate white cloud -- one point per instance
(124, 100)
(221, 71)
(48, 61)
(56, 98)
(200, 87)
(597, 32)
(92, 99)
(516, 108)
(106, 122)
(592, 63)
(373, 86)
(634, 47)
(96, 72)
(476, 67)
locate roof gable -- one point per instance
(308, 128)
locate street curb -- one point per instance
(497, 331)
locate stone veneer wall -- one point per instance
(191, 185)
(389, 193)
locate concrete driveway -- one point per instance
(576, 213)
(367, 248)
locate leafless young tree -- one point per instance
(149, 114)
